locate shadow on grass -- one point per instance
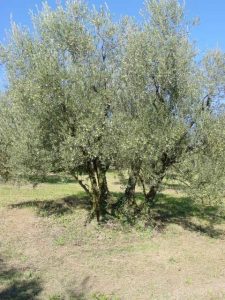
(182, 210)
(15, 287)
(82, 292)
(167, 210)
(58, 207)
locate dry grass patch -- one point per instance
(48, 253)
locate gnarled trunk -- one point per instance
(150, 196)
(132, 182)
(130, 189)
(95, 195)
(104, 191)
(99, 188)
(167, 160)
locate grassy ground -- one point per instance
(47, 253)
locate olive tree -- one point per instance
(168, 95)
(86, 93)
(63, 78)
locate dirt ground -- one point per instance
(46, 255)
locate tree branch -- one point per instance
(83, 185)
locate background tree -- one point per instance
(169, 93)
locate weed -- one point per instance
(60, 241)
(100, 296)
(55, 297)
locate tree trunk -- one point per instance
(129, 194)
(82, 184)
(142, 181)
(132, 182)
(104, 191)
(154, 188)
(95, 195)
(130, 189)
(99, 188)
(150, 196)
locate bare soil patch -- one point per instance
(54, 256)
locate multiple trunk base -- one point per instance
(100, 195)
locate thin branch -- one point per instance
(157, 90)
(83, 185)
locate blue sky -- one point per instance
(209, 34)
